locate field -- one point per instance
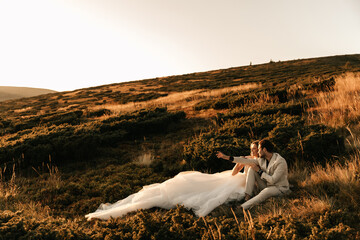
(62, 154)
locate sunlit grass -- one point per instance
(145, 159)
(8, 188)
(176, 101)
(53, 175)
(34, 209)
(341, 106)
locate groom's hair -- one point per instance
(266, 144)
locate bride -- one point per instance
(201, 192)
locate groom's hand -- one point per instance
(255, 167)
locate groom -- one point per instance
(269, 172)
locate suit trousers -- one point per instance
(253, 181)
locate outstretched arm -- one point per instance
(223, 156)
(242, 160)
(246, 161)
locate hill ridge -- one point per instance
(273, 74)
(11, 92)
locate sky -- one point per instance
(65, 45)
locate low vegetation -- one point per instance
(63, 154)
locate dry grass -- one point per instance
(323, 188)
(62, 109)
(22, 110)
(319, 189)
(8, 188)
(34, 209)
(145, 159)
(176, 101)
(340, 107)
(340, 174)
(337, 184)
(51, 174)
(299, 207)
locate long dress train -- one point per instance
(198, 191)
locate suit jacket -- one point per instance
(275, 173)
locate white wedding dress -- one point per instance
(198, 191)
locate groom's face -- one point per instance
(261, 152)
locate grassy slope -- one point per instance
(103, 147)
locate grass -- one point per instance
(145, 159)
(50, 173)
(175, 101)
(341, 105)
(336, 185)
(8, 188)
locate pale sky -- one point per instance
(69, 44)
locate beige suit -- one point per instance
(272, 182)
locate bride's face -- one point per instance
(254, 150)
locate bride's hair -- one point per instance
(255, 143)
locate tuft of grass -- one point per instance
(340, 107)
(33, 209)
(53, 176)
(145, 159)
(8, 188)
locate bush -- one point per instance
(206, 104)
(79, 142)
(200, 153)
(264, 109)
(294, 140)
(99, 113)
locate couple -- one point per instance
(267, 173)
(264, 170)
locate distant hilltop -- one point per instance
(7, 93)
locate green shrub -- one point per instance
(264, 109)
(200, 153)
(67, 142)
(294, 140)
(99, 113)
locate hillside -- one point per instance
(7, 93)
(64, 153)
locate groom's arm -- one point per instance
(246, 161)
(241, 160)
(281, 170)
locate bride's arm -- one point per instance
(237, 169)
